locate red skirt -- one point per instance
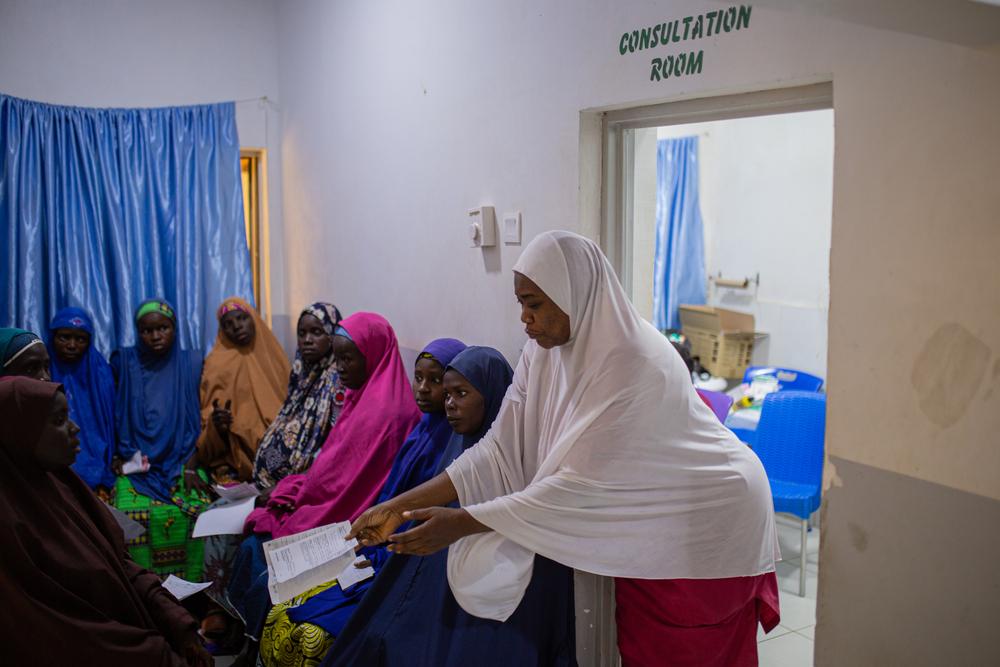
(697, 622)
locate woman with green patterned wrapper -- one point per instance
(158, 416)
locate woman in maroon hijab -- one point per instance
(71, 595)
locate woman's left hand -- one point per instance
(441, 526)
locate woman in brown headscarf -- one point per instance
(243, 385)
(71, 595)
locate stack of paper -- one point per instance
(299, 562)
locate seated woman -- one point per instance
(22, 353)
(299, 632)
(90, 389)
(242, 389)
(410, 617)
(71, 596)
(157, 416)
(243, 385)
(315, 398)
(353, 464)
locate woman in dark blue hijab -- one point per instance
(409, 616)
(300, 631)
(90, 389)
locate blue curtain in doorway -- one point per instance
(102, 208)
(679, 264)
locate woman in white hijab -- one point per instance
(603, 458)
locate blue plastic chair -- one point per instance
(790, 445)
(789, 379)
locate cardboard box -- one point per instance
(722, 339)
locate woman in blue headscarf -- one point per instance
(299, 632)
(159, 419)
(90, 389)
(409, 616)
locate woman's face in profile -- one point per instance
(544, 321)
(58, 445)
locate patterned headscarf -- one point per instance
(315, 397)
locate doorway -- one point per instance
(721, 209)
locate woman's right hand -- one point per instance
(222, 418)
(375, 525)
(194, 482)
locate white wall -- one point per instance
(766, 192)
(145, 53)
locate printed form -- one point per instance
(296, 563)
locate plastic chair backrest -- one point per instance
(789, 379)
(719, 402)
(790, 436)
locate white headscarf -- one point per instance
(603, 456)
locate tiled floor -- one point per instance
(791, 643)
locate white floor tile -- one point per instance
(790, 650)
(808, 633)
(790, 540)
(797, 612)
(775, 632)
(788, 579)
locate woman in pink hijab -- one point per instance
(379, 412)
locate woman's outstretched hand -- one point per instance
(375, 525)
(441, 527)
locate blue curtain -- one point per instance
(102, 208)
(679, 264)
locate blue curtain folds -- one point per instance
(102, 208)
(679, 264)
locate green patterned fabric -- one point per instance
(167, 546)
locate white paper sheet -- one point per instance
(138, 463)
(309, 552)
(182, 588)
(225, 520)
(237, 491)
(130, 527)
(352, 575)
(296, 563)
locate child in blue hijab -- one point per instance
(90, 389)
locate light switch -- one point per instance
(482, 227)
(512, 228)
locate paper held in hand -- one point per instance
(237, 491)
(138, 463)
(182, 588)
(301, 561)
(223, 520)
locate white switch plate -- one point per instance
(512, 228)
(482, 227)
